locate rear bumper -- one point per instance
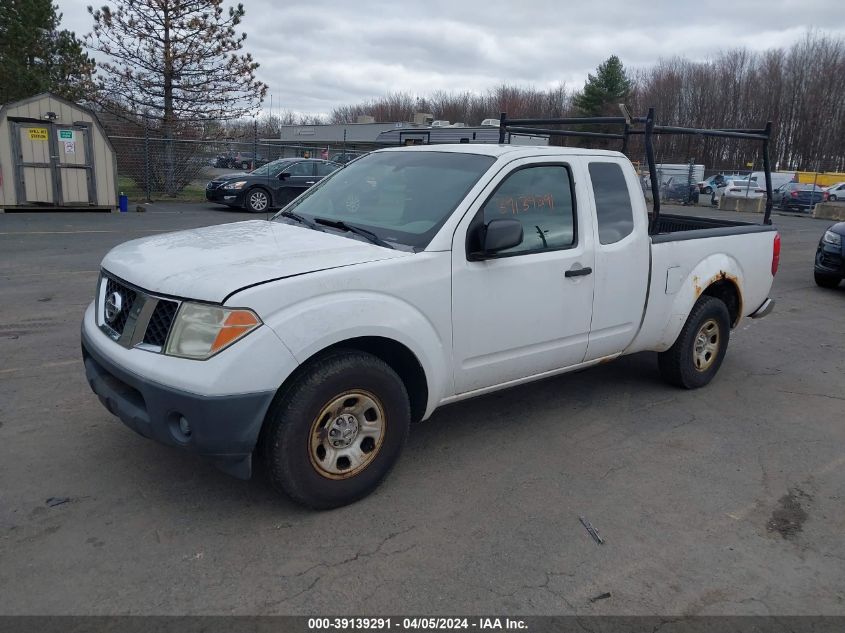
(222, 428)
(764, 310)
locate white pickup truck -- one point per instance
(409, 279)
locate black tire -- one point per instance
(826, 281)
(832, 197)
(244, 165)
(300, 417)
(681, 365)
(708, 190)
(258, 200)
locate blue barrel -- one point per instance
(123, 203)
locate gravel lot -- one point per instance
(723, 500)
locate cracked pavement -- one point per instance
(481, 513)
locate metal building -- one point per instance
(54, 154)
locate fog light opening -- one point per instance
(184, 426)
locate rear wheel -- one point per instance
(257, 200)
(337, 431)
(832, 197)
(826, 281)
(708, 190)
(700, 347)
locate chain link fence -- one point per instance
(152, 168)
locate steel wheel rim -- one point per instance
(706, 345)
(347, 434)
(258, 200)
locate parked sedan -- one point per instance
(271, 186)
(796, 196)
(836, 192)
(830, 257)
(742, 189)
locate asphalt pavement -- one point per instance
(724, 500)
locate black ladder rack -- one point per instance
(648, 128)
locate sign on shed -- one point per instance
(38, 134)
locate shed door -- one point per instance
(74, 165)
(33, 164)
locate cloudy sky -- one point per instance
(319, 54)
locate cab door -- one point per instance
(525, 310)
(622, 255)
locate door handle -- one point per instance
(309, 182)
(578, 272)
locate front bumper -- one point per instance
(232, 197)
(222, 428)
(830, 260)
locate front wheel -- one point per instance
(336, 432)
(832, 197)
(708, 190)
(700, 348)
(257, 201)
(826, 281)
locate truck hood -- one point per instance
(211, 263)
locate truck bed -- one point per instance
(672, 228)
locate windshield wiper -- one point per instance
(343, 226)
(298, 218)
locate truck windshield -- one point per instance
(402, 197)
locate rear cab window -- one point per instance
(614, 213)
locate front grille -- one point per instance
(160, 322)
(152, 317)
(120, 297)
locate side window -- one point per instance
(324, 169)
(302, 168)
(541, 198)
(614, 214)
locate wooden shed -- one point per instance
(54, 154)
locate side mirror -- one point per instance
(284, 176)
(499, 235)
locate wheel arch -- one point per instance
(724, 287)
(398, 357)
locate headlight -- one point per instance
(834, 239)
(235, 185)
(200, 330)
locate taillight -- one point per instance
(775, 254)
(825, 196)
(794, 194)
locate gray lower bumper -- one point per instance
(763, 310)
(224, 429)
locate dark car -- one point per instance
(830, 257)
(675, 188)
(796, 196)
(271, 186)
(239, 160)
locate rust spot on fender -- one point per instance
(696, 286)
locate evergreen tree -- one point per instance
(177, 63)
(604, 90)
(36, 56)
